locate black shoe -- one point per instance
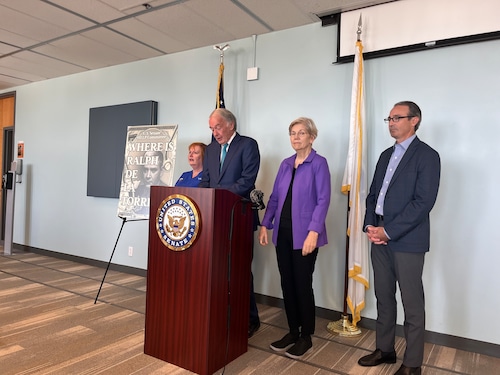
(252, 328)
(286, 342)
(300, 348)
(377, 357)
(403, 370)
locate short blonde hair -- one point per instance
(308, 123)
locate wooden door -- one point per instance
(7, 109)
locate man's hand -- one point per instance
(377, 235)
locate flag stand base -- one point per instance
(343, 327)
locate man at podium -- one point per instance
(232, 162)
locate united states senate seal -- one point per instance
(178, 222)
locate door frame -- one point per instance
(7, 151)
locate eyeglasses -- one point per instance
(300, 133)
(396, 118)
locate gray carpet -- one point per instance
(49, 324)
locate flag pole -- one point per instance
(343, 326)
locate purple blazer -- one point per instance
(310, 198)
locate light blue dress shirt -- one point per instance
(397, 155)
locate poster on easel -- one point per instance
(149, 161)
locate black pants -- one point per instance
(296, 283)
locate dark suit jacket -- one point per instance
(410, 197)
(240, 168)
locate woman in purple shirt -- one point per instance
(297, 211)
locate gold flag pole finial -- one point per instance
(360, 26)
(221, 49)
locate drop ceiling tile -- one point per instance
(232, 19)
(93, 9)
(321, 7)
(279, 14)
(149, 35)
(134, 6)
(16, 39)
(6, 48)
(10, 69)
(124, 5)
(29, 27)
(32, 26)
(84, 52)
(50, 14)
(122, 43)
(186, 26)
(42, 66)
(6, 82)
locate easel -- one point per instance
(124, 220)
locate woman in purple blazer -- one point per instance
(297, 211)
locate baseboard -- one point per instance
(450, 341)
(455, 342)
(74, 258)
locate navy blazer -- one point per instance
(240, 168)
(410, 197)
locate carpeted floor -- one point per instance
(49, 324)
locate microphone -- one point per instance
(256, 198)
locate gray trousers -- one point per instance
(405, 269)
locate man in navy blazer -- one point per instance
(232, 162)
(402, 194)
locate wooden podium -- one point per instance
(197, 299)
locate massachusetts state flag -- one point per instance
(355, 184)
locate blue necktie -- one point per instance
(223, 154)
